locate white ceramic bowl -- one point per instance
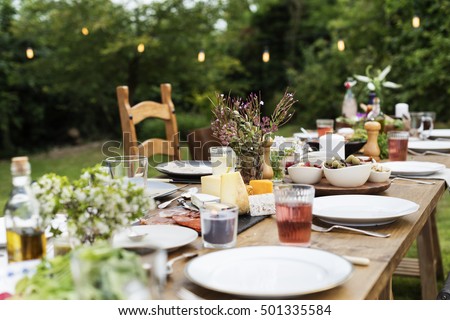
(315, 157)
(380, 176)
(306, 175)
(348, 177)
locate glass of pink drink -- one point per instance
(293, 203)
(398, 145)
(324, 126)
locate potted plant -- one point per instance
(238, 123)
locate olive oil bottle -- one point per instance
(25, 240)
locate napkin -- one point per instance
(443, 174)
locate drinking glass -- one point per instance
(398, 145)
(426, 124)
(324, 126)
(134, 168)
(223, 160)
(416, 121)
(219, 225)
(294, 203)
(277, 164)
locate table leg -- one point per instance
(437, 248)
(387, 294)
(427, 255)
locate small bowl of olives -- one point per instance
(379, 173)
(348, 173)
(307, 173)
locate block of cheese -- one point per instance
(200, 199)
(261, 186)
(233, 191)
(262, 204)
(211, 185)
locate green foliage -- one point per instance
(70, 83)
(97, 272)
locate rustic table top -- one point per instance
(366, 282)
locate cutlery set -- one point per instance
(185, 195)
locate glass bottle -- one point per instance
(24, 237)
(376, 114)
(372, 96)
(349, 107)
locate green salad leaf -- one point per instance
(52, 280)
(91, 272)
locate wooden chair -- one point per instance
(132, 115)
(199, 142)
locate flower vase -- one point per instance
(250, 162)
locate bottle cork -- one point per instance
(20, 165)
(371, 147)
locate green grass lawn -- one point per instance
(70, 161)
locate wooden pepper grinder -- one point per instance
(371, 147)
(267, 168)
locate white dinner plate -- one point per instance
(168, 237)
(362, 210)
(304, 136)
(269, 271)
(413, 168)
(158, 189)
(437, 133)
(429, 145)
(185, 169)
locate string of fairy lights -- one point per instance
(201, 56)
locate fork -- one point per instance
(369, 233)
(183, 256)
(185, 294)
(413, 180)
(429, 152)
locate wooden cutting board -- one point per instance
(324, 188)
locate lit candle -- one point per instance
(401, 109)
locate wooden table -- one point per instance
(385, 254)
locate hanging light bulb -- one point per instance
(29, 53)
(416, 21)
(85, 31)
(201, 56)
(266, 55)
(141, 48)
(341, 45)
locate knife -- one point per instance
(188, 181)
(186, 205)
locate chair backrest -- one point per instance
(132, 115)
(199, 142)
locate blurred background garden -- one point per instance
(60, 62)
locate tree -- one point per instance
(8, 97)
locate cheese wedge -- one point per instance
(234, 191)
(211, 185)
(261, 186)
